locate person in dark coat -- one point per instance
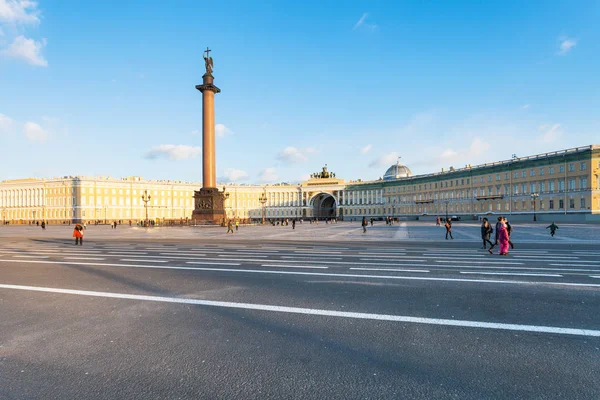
(364, 224)
(509, 231)
(486, 232)
(500, 219)
(553, 227)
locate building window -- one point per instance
(497, 177)
(561, 185)
(561, 168)
(532, 172)
(571, 203)
(506, 176)
(516, 175)
(551, 170)
(532, 187)
(582, 166)
(524, 174)
(551, 186)
(561, 204)
(572, 184)
(551, 204)
(542, 187)
(541, 171)
(582, 203)
(571, 167)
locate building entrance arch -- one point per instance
(324, 206)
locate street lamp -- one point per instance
(533, 197)
(263, 202)
(146, 198)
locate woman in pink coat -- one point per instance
(503, 238)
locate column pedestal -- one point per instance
(209, 207)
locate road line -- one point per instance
(509, 273)
(317, 312)
(293, 266)
(85, 258)
(595, 276)
(580, 264)
(310, 258)
(114, 265)
(551, 257)
(151, 261)
(212, 263)
(133, 253)
(387, 259)
(30, 256)
(482, 262)
(511, 282)
(390, 269)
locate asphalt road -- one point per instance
(157, 319)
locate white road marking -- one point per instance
(310, 258)
(398, 259)
(152, 261)
(85, 258)
(212, 263)
(317, 312)
(293, 266)
(482, 262)
(115, 265)
(509, 273)
(595, 276)
(580, 264)
(229, 255)
(258, 251)
(548, 257)
(327, 256)
(30, 256)
(390, 269)
(135, 252)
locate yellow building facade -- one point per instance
(561, 185)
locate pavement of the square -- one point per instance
(331, 232)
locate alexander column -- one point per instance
(208, 201)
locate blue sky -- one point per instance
(107, 88)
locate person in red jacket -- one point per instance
(78, 235)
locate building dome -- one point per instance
(397, 171)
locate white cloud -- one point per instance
(173, 152)
(565, 45)
(268, 175)
(221, 130)
(385, 160)
(19, 12)
(525, 106)
(233, 175)
(361, 20)
(27, 50)
(34, 132)
(293, 155)
(365, 149)
(6, 124)
(361, 23)
(550, 133)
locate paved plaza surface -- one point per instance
(341, 231)
(320, 312)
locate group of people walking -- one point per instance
(502, 235)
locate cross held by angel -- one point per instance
(208, 61)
